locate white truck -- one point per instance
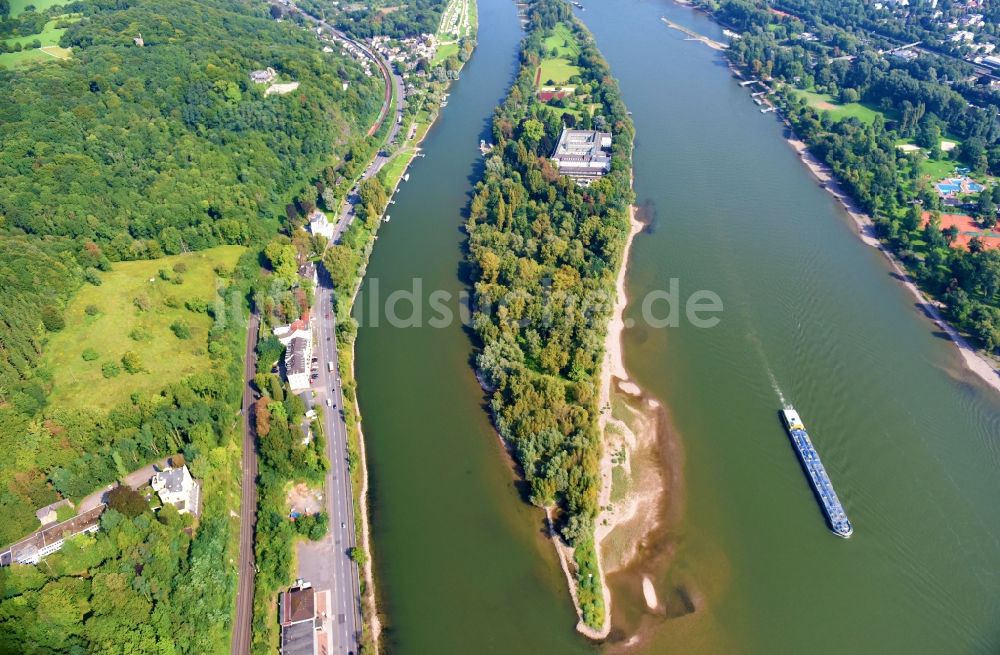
(329, 367)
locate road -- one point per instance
(248, 501)
(327, 563)
(392, 81)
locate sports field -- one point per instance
(119, 325)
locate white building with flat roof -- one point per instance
(583, 155)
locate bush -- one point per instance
(110, 370)
(180, 329)
(127, 500)
(142, 303)
(180, 267)
(171, 301)
(140, 334)
(92, 276)
(197, 305)
(92, 310)
(89, 354)
(132, 362)
(52, 319)
(178, 279)
(164, 274)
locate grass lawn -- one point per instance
(558, 70)
(443, 52)
(17, 6)
(825, 102)
(167, 359)
(563, 41)
(939, 169)
(50, 51)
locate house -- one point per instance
(298, 356)
(50, 513)
(299, 328)
(307, 271)
(903, 55)
(262, 76)
(320, 224)
(176, 487)
(583, 155)
(303, 614)
(48, 540)
(962, 36)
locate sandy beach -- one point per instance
(974, 361)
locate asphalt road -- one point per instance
(248, 502)
(327, 563)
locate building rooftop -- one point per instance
(172, 479)
(295, 358)
(298, 604)
(583, 155)
(298, 639)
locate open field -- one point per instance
(165, 357)
(937, 169)
(25, 57)
(17, 6)
(562, 41)
(50, 50)
(556, 71)
(444, 51)
(838, 111)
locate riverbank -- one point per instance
(360, 484)
(974, 360)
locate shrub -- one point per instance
(164, 274)
(92, 310)
(52, 319)
(180, 267)
(180, 329)
(110, 370)
(127, 500)
(92, 277)
(171, 301)
(142, 303)
(140, 334)
(178, 279)
(132, 362)
(89, 354)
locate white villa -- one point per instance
(176, 487)
(320, 224)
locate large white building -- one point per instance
(320, 224)
(297, 339)
(176, 487)
(583, 155)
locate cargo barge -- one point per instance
(835, 514)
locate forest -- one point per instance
(170, 147)
(911, 102)
(543, 254)
(131, 152)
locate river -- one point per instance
(811, 315)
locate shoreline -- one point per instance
(612, 368)
(975, 362)
(370, 597)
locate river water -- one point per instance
(811, 316)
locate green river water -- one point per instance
(812, 315)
